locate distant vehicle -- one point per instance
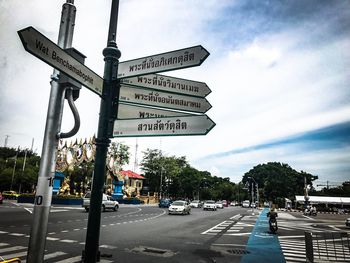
(164, 203)
(10, 194)
(219, 204)
(196, 204)
(107, 202)
(253, 205)
(224, 203)
(347, 222)
(246, 204)
(179, 207)
(209, 205)
(1, 198)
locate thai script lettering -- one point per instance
(153, 63)
(163, 125)
(161, 81)
(157, 98)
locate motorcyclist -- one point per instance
(272, 214)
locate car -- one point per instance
(179, 207)
(10, 194)
(219, 204)
(107, 202)
(164, 203)
(196, 204)
(246, 204)
(209, 205)
(224, 203)
(1, 198)
(347, 222)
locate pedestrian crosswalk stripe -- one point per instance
(4, 250)
(70, 260)
(53, 255)
(15, 255)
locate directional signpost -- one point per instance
(40, 46)
(130, 111)
(178, 59)
(169, 84)
(163, 99)
(182, 125)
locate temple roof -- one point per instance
(131, 174)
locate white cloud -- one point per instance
(276, 85)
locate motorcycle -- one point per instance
(272, 222)
(309, 212)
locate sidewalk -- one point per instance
(263, 246)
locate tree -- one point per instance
(278, 181)
(19, 169)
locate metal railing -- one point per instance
(327, 247)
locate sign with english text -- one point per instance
(160, 99)
(178, 59)
(40, 46)
(170, 126)
(169, 84)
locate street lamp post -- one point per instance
(252, 192)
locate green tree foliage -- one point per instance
(343, 190)
(180, 180)
(277, 181)
(19, 168)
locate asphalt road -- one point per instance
(149, 234)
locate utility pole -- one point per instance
(6, 140)
(43, 194)
(108, 108)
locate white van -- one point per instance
(246, 203)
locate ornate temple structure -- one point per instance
(118, 183)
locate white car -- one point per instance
(196, 204)
(209, 205)
(179, 207)
(219, 204)
(107, 202)
(246, 204)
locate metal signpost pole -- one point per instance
(43, 194)
(107, 107)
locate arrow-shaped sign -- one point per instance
(181, 125)
(130, 111)
(163, 99)
(178, 59)
(40, 46)
(170, 84)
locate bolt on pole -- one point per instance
(43, 195)
(108, 106)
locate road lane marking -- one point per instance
(9, 249)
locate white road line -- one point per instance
(16, 234)
(3, 232)
(235, 216)
(15, 255)
(71, 260)
(52, 238)
(9, 249)
(68, 241)
(108, 246)
(3, 244)
(53, 255)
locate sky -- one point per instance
(278, 71)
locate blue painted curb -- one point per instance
(263, 246)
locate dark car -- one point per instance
(164, 203)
